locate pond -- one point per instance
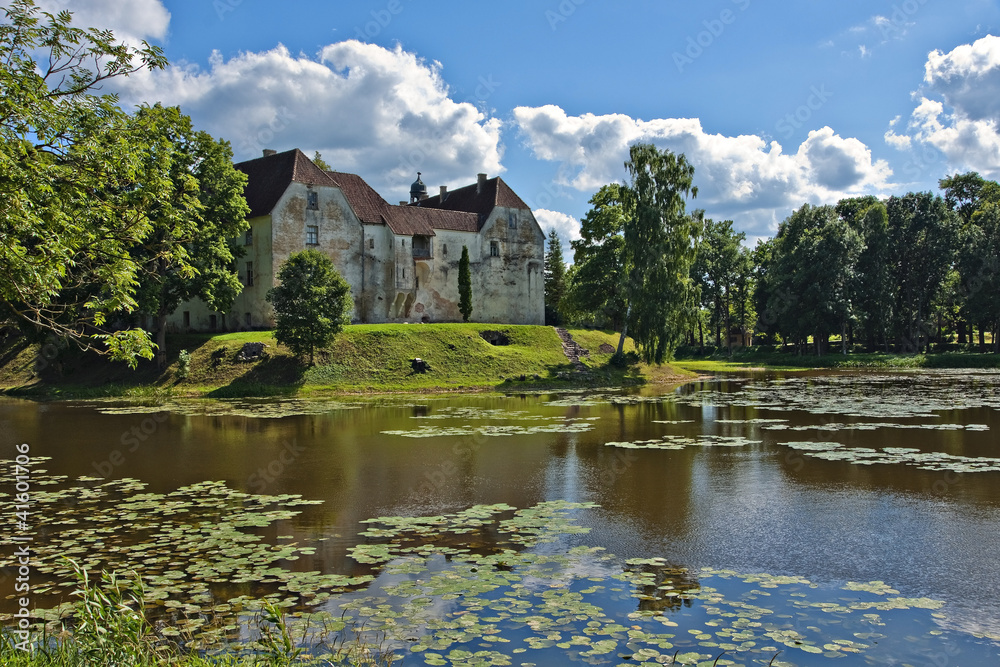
(799, 519)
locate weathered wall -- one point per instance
(379, 274)
(250, 301)
(339, 232)
(387, 283)
(510, 286)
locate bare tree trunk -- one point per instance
(621, 341)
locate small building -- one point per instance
(401, 260)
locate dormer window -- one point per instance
(312, 200)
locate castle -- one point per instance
(401, 260)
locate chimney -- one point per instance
(444, 193)
(480, 183)
(269, 152)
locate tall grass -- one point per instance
(109, 627)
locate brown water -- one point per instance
(755, 505)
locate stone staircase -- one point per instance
(572, 349)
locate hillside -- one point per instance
(363, 359)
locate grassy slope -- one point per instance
(363, 359)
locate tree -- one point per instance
(925, 238)
(968, 194)
(188, 253)
(312, 303)
(555, 278)
(320, 162)
(465, 285)
(594, 292)
(812, 263)
(660, 243)
(873, 293)
(72, 194)
(717, 270)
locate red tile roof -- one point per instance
(270, 176)
(494, 193)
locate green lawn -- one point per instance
(362, 359)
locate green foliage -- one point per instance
(110, 627)
(312, 303)
(320, 162)
(723, 274)
(465, 285)
(925, 236)
(183, 364)
(660, 244)
(594, 292)
(201, 205)
(555, 278)
(72, 197)
(813, 258)
(872, 291)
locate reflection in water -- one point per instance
(763, 507)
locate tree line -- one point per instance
(107, 217)
(899, 274)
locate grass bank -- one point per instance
(364, 359)
(768, 359)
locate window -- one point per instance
(312, 235)
(494, 248)
(371, 244)
(212, 323)
(312, 200)
(187, 319)
(418, 283)
(249, 274)
(422, 247)
(403, 242)
(512, 221)
(246, 318)
(248, 240)
(444, 249)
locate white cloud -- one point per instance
(959, 109)
(742, 177)
(565, 225)
(900, 142)
(384, 114)
(968, 78)
(132, 21)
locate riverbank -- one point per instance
(768, 359)
(364, 359)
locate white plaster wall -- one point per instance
(511, 286)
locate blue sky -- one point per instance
(775, 104)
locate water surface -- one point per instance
(833, 480)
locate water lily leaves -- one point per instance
(679, 442)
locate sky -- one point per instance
(776, 104)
